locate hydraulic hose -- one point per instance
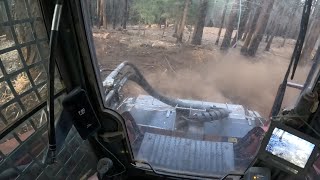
(137, 77)
(51, 154)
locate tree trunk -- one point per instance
(310, 42)
(190, 31)
(164, 29)
(274, 33)
(311, 38)
(89, 4)
(104, 14)
(285, 33)
(276, 27)
(32, 52)
(244, 36)
(245, 17)
(270, 28)
(248, 25)
(139, 27)
(252, 26)
(234, 40)
(267, 38)
(183, 21)
(124, 24)
(23, 35)
(288, 24)
(222, 21)
(269, 43)
(283, 42)
(176, 27)
(261, 26)
(4, 30)
(102, 17)
(314, 11)
(99, 16)
(229, 29)
(243, 20)
(114, 23)
(198, 30)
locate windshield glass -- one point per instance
(195, 80)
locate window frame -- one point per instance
(109, 119)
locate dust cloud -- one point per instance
(231, 78)
(203, 72)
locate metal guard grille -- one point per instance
(23, 57)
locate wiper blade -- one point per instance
(302, 34)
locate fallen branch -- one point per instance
(169, 64)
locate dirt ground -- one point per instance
(200, 72)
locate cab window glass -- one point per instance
(197, 78)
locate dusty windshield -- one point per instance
(195, 80)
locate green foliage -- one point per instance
(193, 12)
(151, 11)
(145, 10)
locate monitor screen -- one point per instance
(289, 147)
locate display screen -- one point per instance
(290, 147)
